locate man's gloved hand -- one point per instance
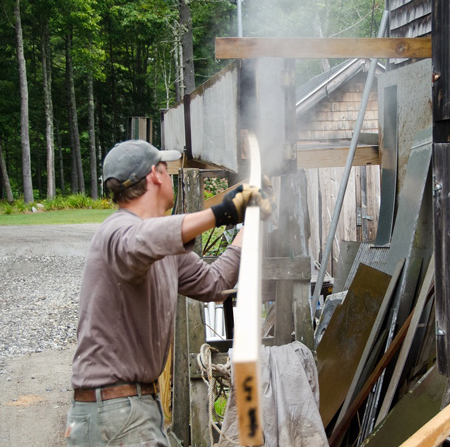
(232, 209)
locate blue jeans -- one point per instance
(129, 421)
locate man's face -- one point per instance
(166, 186)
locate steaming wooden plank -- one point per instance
(318, 48)
(247, 331)
(433, 433)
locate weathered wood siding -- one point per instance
(214, 121)
(358, 220)
(409, 18)
(334, 119)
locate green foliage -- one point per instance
(130, 48)
(220, 406)
(74, 201)
(213, 186)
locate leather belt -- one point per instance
(115, 391)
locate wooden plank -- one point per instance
(173, 167)
(337, 157)
(247, 332)
(284, 319)
(341, 428)
(318, 48)
(219, 197)
(372, 337)
(298, 268)
(433, 433)
(404, 352)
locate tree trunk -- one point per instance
(5, 177)
(318, 28)
(92, 151)
(74, 115)
(187, 45)
(48, 106)
(61, 160)
(24, 133)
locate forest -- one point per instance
(74, 72)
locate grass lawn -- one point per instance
(75, 216)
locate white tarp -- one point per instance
(290, 400)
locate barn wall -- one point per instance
(409, 18)
(334, 117)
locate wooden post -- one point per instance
(441, 176)
(292, 307)
(190, 400)
(192, 202)
(181, 394)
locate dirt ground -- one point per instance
(35, 388)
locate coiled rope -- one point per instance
(216, 385)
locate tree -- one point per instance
(5, 177)
(187, 47)
(48, 106)
(73, 122)
(24, 133)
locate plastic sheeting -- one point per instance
(290, 400)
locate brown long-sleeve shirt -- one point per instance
(134, 271)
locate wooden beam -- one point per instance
(247, 331)
(336, 157)
(433, 433)
(219, 197)
(174, 166)
(307, 157)
(319, 48)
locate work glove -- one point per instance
(232, 209)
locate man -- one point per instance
(137, 263)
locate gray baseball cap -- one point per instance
(130, 161)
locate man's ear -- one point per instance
(154, 176)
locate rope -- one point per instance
(216, 385)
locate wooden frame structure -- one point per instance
(244, 48)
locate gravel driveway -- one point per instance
(40, 276)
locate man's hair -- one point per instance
(121, 194)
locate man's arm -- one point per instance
(195, 224)
(230, 212)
